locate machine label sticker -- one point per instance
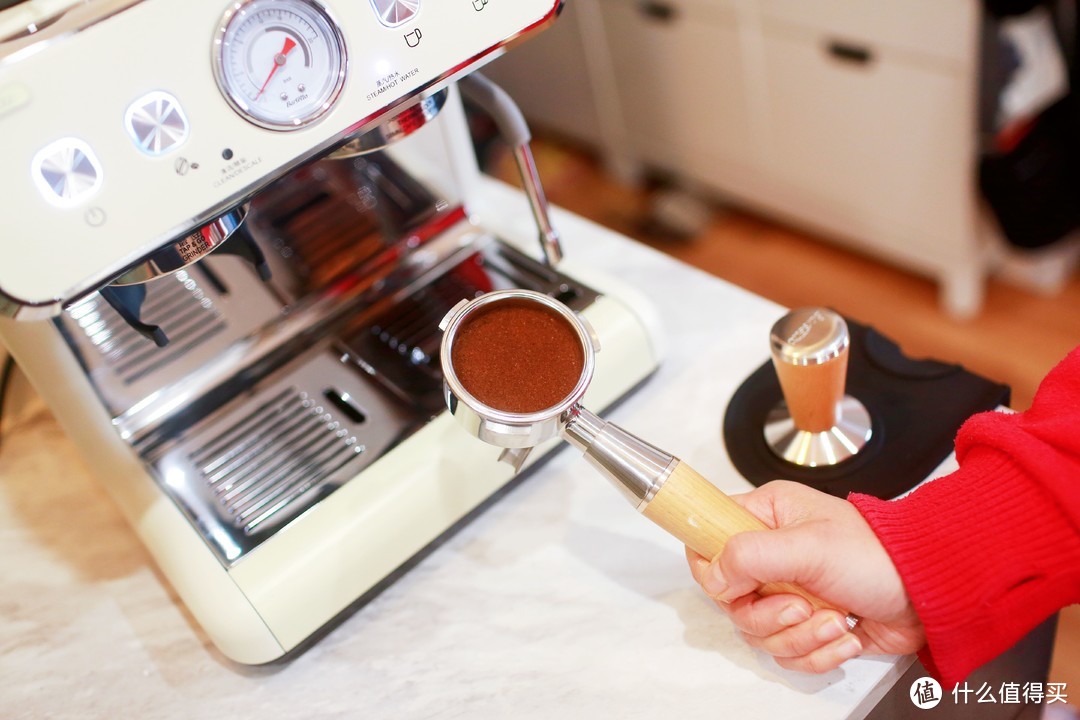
(193, 247)
(390, 81)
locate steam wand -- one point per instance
(513, 129)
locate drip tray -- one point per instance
(275, 449)
(244, 472)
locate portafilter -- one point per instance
(516, 365)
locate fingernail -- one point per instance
(849, 648)
(830, 630)
(713, 581)
(792, 615)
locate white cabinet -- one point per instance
(854, 118)
(678, 67)
(870, 146)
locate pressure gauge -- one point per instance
(280, 63)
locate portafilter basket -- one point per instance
(663, 488)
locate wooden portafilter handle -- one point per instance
(704, 518)
(670, 493)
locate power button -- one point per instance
(66, 172)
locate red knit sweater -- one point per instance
(992, 550)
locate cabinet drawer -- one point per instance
(879, 150)
(937, 29)
(681, 84)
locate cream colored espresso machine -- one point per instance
(231, 231)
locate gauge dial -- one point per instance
(279, 63)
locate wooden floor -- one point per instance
(1015, 340)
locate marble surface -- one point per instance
(558, 601)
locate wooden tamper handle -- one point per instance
(809, 349)
(817, 425)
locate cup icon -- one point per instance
(413, 39)
(479, 5)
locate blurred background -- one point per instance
(913, 165)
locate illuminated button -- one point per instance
(395, 12)
(156, 123)
(66, 172)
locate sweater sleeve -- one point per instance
(992, 550)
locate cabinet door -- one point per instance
(549, 79)
(870, 147)
(682, 88)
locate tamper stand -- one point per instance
(791, 418)
(816, 424)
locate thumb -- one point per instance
(754, 558)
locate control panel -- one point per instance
(127, 133)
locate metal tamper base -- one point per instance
(816, 425)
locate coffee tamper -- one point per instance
(816, 424)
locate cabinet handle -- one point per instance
(850, 53)
(661, 11)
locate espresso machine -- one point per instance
(232, 228)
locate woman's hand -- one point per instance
(824, 545)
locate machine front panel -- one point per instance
(118, 138)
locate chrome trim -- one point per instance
(497, 427)
(309, 318)
(819, 449)
(239, 105)
(400, 126)
(809, 336)
(22, 42)
(534, 191)
(23, 311)
(201, 322)
(242, 473)
(636, 468)
(514, 130)
(189, 249)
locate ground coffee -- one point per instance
(517, 356)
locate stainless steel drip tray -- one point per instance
(244, 472)
(243, 463)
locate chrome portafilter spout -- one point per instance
(663, 488)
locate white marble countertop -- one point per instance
(559, 600)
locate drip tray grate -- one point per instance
(272, 456)
(243, 472)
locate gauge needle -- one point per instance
(279, 60)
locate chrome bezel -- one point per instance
(233, 96)
(498, 427)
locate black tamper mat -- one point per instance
(916, 407)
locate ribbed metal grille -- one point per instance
(179, 303)
(412, 328)
(273, 456)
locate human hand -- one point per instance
(824, 545)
